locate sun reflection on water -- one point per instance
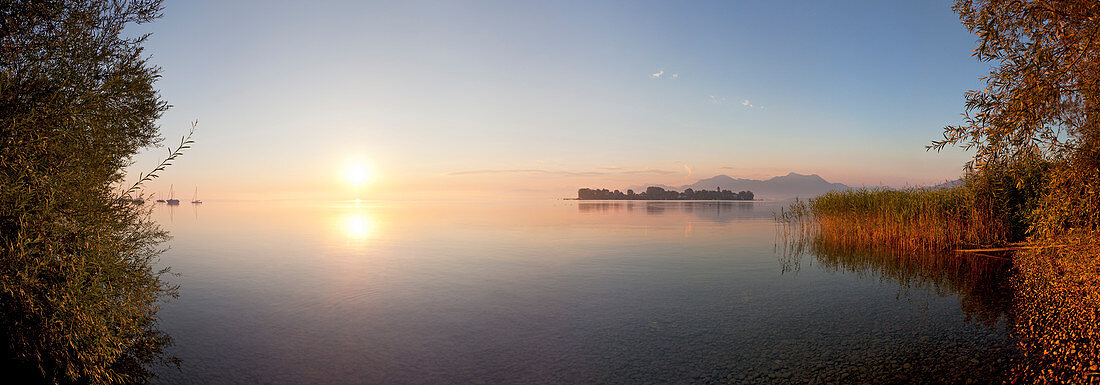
(358, 226)
(354, 221)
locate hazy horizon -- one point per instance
(517, 195)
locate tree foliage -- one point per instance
(1039, 107)
(1042, 96)
(78, 291)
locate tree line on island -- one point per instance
(658, 193)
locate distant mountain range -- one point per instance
(950, 183)
(780, 187)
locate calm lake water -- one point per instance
(559, 292)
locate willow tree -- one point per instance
(78, 292)
(1040, 103)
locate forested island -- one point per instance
(657, 193)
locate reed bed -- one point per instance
(914, 219)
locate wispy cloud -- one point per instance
(675, 76)
(749, 104)
(649, 171)
(658, 74)
(535, 171)
(714, 99)
(689, 170)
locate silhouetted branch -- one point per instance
(185, 143)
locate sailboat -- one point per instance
(195, 199)
(171, 200)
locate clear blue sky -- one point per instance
(539, 98)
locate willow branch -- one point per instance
(185, 143)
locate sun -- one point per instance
(358, 174)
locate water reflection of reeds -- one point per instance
(982, 354)
(981, 283)
(1048, 296)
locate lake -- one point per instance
(553, 292)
